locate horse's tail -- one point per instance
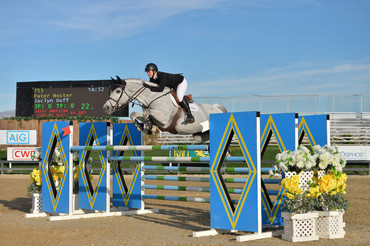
(222, 108)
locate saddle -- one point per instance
(186, 97)
(172, 128)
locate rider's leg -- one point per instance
(180, 92)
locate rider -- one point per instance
(175, 81)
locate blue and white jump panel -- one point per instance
(53, 200)
(316, 128)
(284, 128)
(246, 215)
(125, 195)
(93, 198)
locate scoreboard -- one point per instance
(64, 98)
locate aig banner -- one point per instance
(15, 137)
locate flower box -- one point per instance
(330, 224)
(36, 203)
(300, 227)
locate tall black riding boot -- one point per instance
(185, 106)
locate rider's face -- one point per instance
(150, 73)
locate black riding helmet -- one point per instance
(151, 67)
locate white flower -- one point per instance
(300, 164)
(324, 156)
(75, 156)
(322, 165)
(338, 168)
(57, 153)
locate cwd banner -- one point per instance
(20, 153)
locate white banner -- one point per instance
(18, 137)
(355, 153)
(20, 153)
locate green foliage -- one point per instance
(327, 202)
(299, 204)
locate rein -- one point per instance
(158, 98)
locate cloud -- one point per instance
(93, 19)
(343, 79)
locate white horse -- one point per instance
(160, 109)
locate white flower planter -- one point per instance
(300, 227)
(330, 224)
(36, 203)
(304, 178)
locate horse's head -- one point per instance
(118, 98)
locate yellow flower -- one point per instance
(38, 180)
(61, 169)
(295, 178)
(55, 177)
(75, 175)
(290, 196)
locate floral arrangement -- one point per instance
(57, 170)
(36, 178)
(322, 194)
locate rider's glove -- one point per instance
(146, 85)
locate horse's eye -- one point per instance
(118, 91)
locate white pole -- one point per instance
(328, 130)
(296, 132)
(109, 142)
(259, 206)
(70, 174)
(142, 174)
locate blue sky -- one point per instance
(224, 48)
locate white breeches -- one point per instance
(181, 89)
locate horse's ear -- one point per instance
(121, 81)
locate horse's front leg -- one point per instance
(138, 118)
(141, 122)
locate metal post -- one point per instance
(288, 101)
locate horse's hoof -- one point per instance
(149, 124)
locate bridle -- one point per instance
(131, 99)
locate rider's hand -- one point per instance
(146, 85)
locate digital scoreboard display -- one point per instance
(64, 99)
